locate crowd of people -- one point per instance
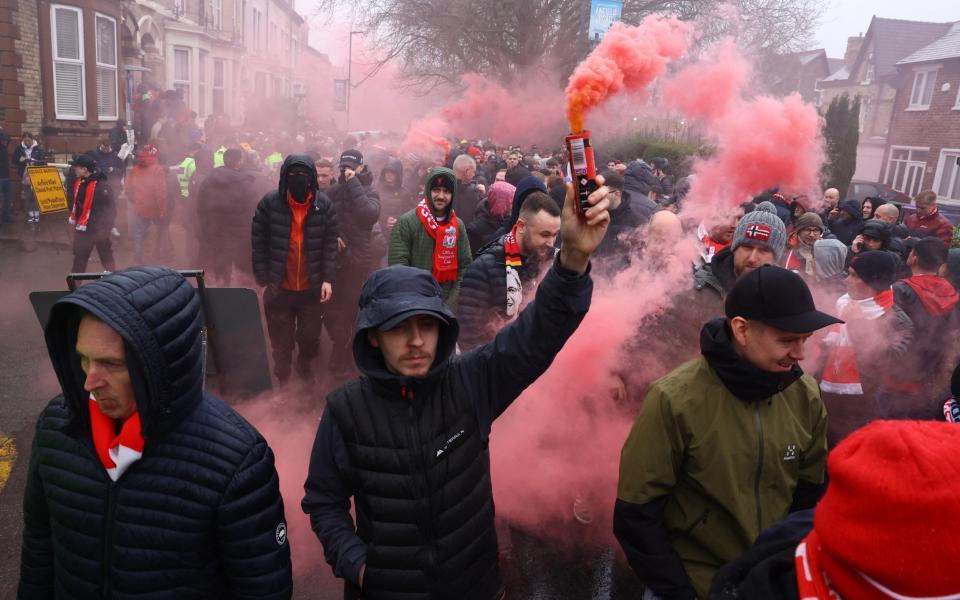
(447, 286)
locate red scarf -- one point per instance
(116, 451)
(84, 218)
(444, 242)
(841, 375)
(513, 260)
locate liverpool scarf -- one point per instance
(80, 216)
(841, 374)
(444, 242)
(116, 451)
(513, 261)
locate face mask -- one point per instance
(298, 188)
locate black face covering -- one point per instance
(297, 186)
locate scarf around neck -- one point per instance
(841, 375)
(117, 451)
(513, 261)
(445, 247)
(80, 216)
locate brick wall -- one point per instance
(28, 72)
(937, 127)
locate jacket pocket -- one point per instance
(700, 520)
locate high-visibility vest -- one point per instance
(274, 161)
(218, 157)
(187, 168)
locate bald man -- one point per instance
(888, 213)
(830, 202)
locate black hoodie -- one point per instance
(271, 231)
(198, 515)
(412, 452)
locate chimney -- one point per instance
(853, 48)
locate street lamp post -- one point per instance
(349, 74)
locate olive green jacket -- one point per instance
(411, 245)
(726, 468)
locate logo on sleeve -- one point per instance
(281, 533)
(790, 453)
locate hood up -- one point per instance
(400, 292)
(741, 377)
(936, 294)
(297, 160)
(157, 313)
(394, 166)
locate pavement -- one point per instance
(32, 260)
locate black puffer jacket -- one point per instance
(639, 179)
(482, 309)
(225, 207)
(198, 516)
(358, 208)
(412, 452)
(271, 232)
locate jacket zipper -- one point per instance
(756, 414)
(107, 542)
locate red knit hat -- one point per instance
(887, 526)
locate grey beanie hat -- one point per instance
(761, 228)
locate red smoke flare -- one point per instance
(629, 57)
(706, 89)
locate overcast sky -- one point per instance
(845, 18)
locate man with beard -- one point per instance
(497, 281)
(431, 236)
(294, 240)
(727, 444)
(394, 199)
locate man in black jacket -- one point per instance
(357, 207)
(93, 215)
(225, 206)
(492, 291)
(294, 242)
(139, 483)
(408, 440)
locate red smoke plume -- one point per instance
(629, 57)
(706, 89)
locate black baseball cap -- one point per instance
(351, 159)
(779, 298)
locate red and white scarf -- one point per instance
(513, 261)
(116, 451)
(444, 242)
(83, 220)
(841, 374)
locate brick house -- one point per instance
(800, 72)
(871, 75)
(60, 73)
(923, 150)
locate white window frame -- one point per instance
(956, 104)
(188, 82)
(918, 168)
(114, 67)
(56, 59)
(869, 73)
(220, 87)
(937, 178)
(925, 71)
(216, 7)
(256, 23)
(202, 59)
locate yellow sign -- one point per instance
(8, 455)
(48, 189)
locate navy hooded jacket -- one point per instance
(412, 452)
(199, 515)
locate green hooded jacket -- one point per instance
(726, 468)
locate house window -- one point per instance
(817, 93)
(69, 99)
(107, 100)
(219, 78)
(181, 72)
(922, 90)
(947, 180)
(956, 105)
(257, 28)
(202, 84)
(868, 76)
(217, 14)
(905, 169)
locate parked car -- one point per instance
(860, 189)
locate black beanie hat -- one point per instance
(877, 229)
(877, 268)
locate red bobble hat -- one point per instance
(887, 525)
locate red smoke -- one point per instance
(706, 90)
(629, 57)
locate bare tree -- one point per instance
(437, 41)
